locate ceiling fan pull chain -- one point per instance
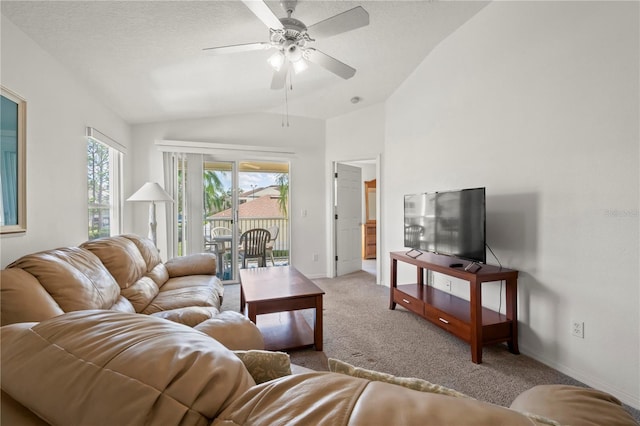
(285, 107)
(286, 98)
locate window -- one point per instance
(104, 184)
(13, 211)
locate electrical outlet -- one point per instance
(447, 285)
(577, 328)
(315, 257)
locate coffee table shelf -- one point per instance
(285, 330)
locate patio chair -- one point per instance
(253, 245)
(412, 235)
(274, 231)
(217, 244)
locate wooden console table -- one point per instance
(468, 320)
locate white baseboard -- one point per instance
(625, 397)
(316, 276)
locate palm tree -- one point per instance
(215, 197)
(282, 179)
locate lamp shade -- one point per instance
(150, 191)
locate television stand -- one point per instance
(468, 320)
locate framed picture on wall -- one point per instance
(13, 163)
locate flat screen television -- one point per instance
(452, 223)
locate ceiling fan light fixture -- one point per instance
(300, 65)
(293, 53)
(276, 60)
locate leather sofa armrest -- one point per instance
(193, 264)
(573, 405)
(23, 299)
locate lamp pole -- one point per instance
(152, 223)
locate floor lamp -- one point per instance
(151, 192)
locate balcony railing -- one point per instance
(281, 244)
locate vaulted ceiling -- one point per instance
(145, 58)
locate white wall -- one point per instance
(358, 135)
(538, 101)
(58, 111)
(304, 136)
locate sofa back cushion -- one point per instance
(135, 264)
(107, 368)
(75, 278)
(121, 257)
(148, 251)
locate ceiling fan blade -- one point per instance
(280, 77)
(262, 11)
(343, 22)
(335, 66)
(236, 48)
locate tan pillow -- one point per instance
(265, 365)
(337, 366)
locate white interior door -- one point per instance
(348, 219)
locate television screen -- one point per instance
(448, 222)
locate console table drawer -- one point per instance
(408, 302)
(449, 323)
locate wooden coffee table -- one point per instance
(277, 294)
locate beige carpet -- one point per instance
(360, 329)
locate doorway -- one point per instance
(368, 170)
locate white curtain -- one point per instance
(185, 229)
(171, 165)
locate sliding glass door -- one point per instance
(238, 196)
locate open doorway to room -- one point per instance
(356, 227)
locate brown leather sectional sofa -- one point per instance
(123, 273)
(85, 341)
(113, 368)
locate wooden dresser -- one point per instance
(369, 228)
(369, 243)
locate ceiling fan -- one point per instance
(290, 37)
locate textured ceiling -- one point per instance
(145, 58)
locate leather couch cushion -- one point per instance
(121, 257)
(107, 368)
(573, 405)
(75, 278)
(147, 250)
(196, 264)
(180, 292)
(141, 293)
(336, 399)
(233, 330)
(303, 399)
(189, 315)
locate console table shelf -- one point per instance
(469, 320)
